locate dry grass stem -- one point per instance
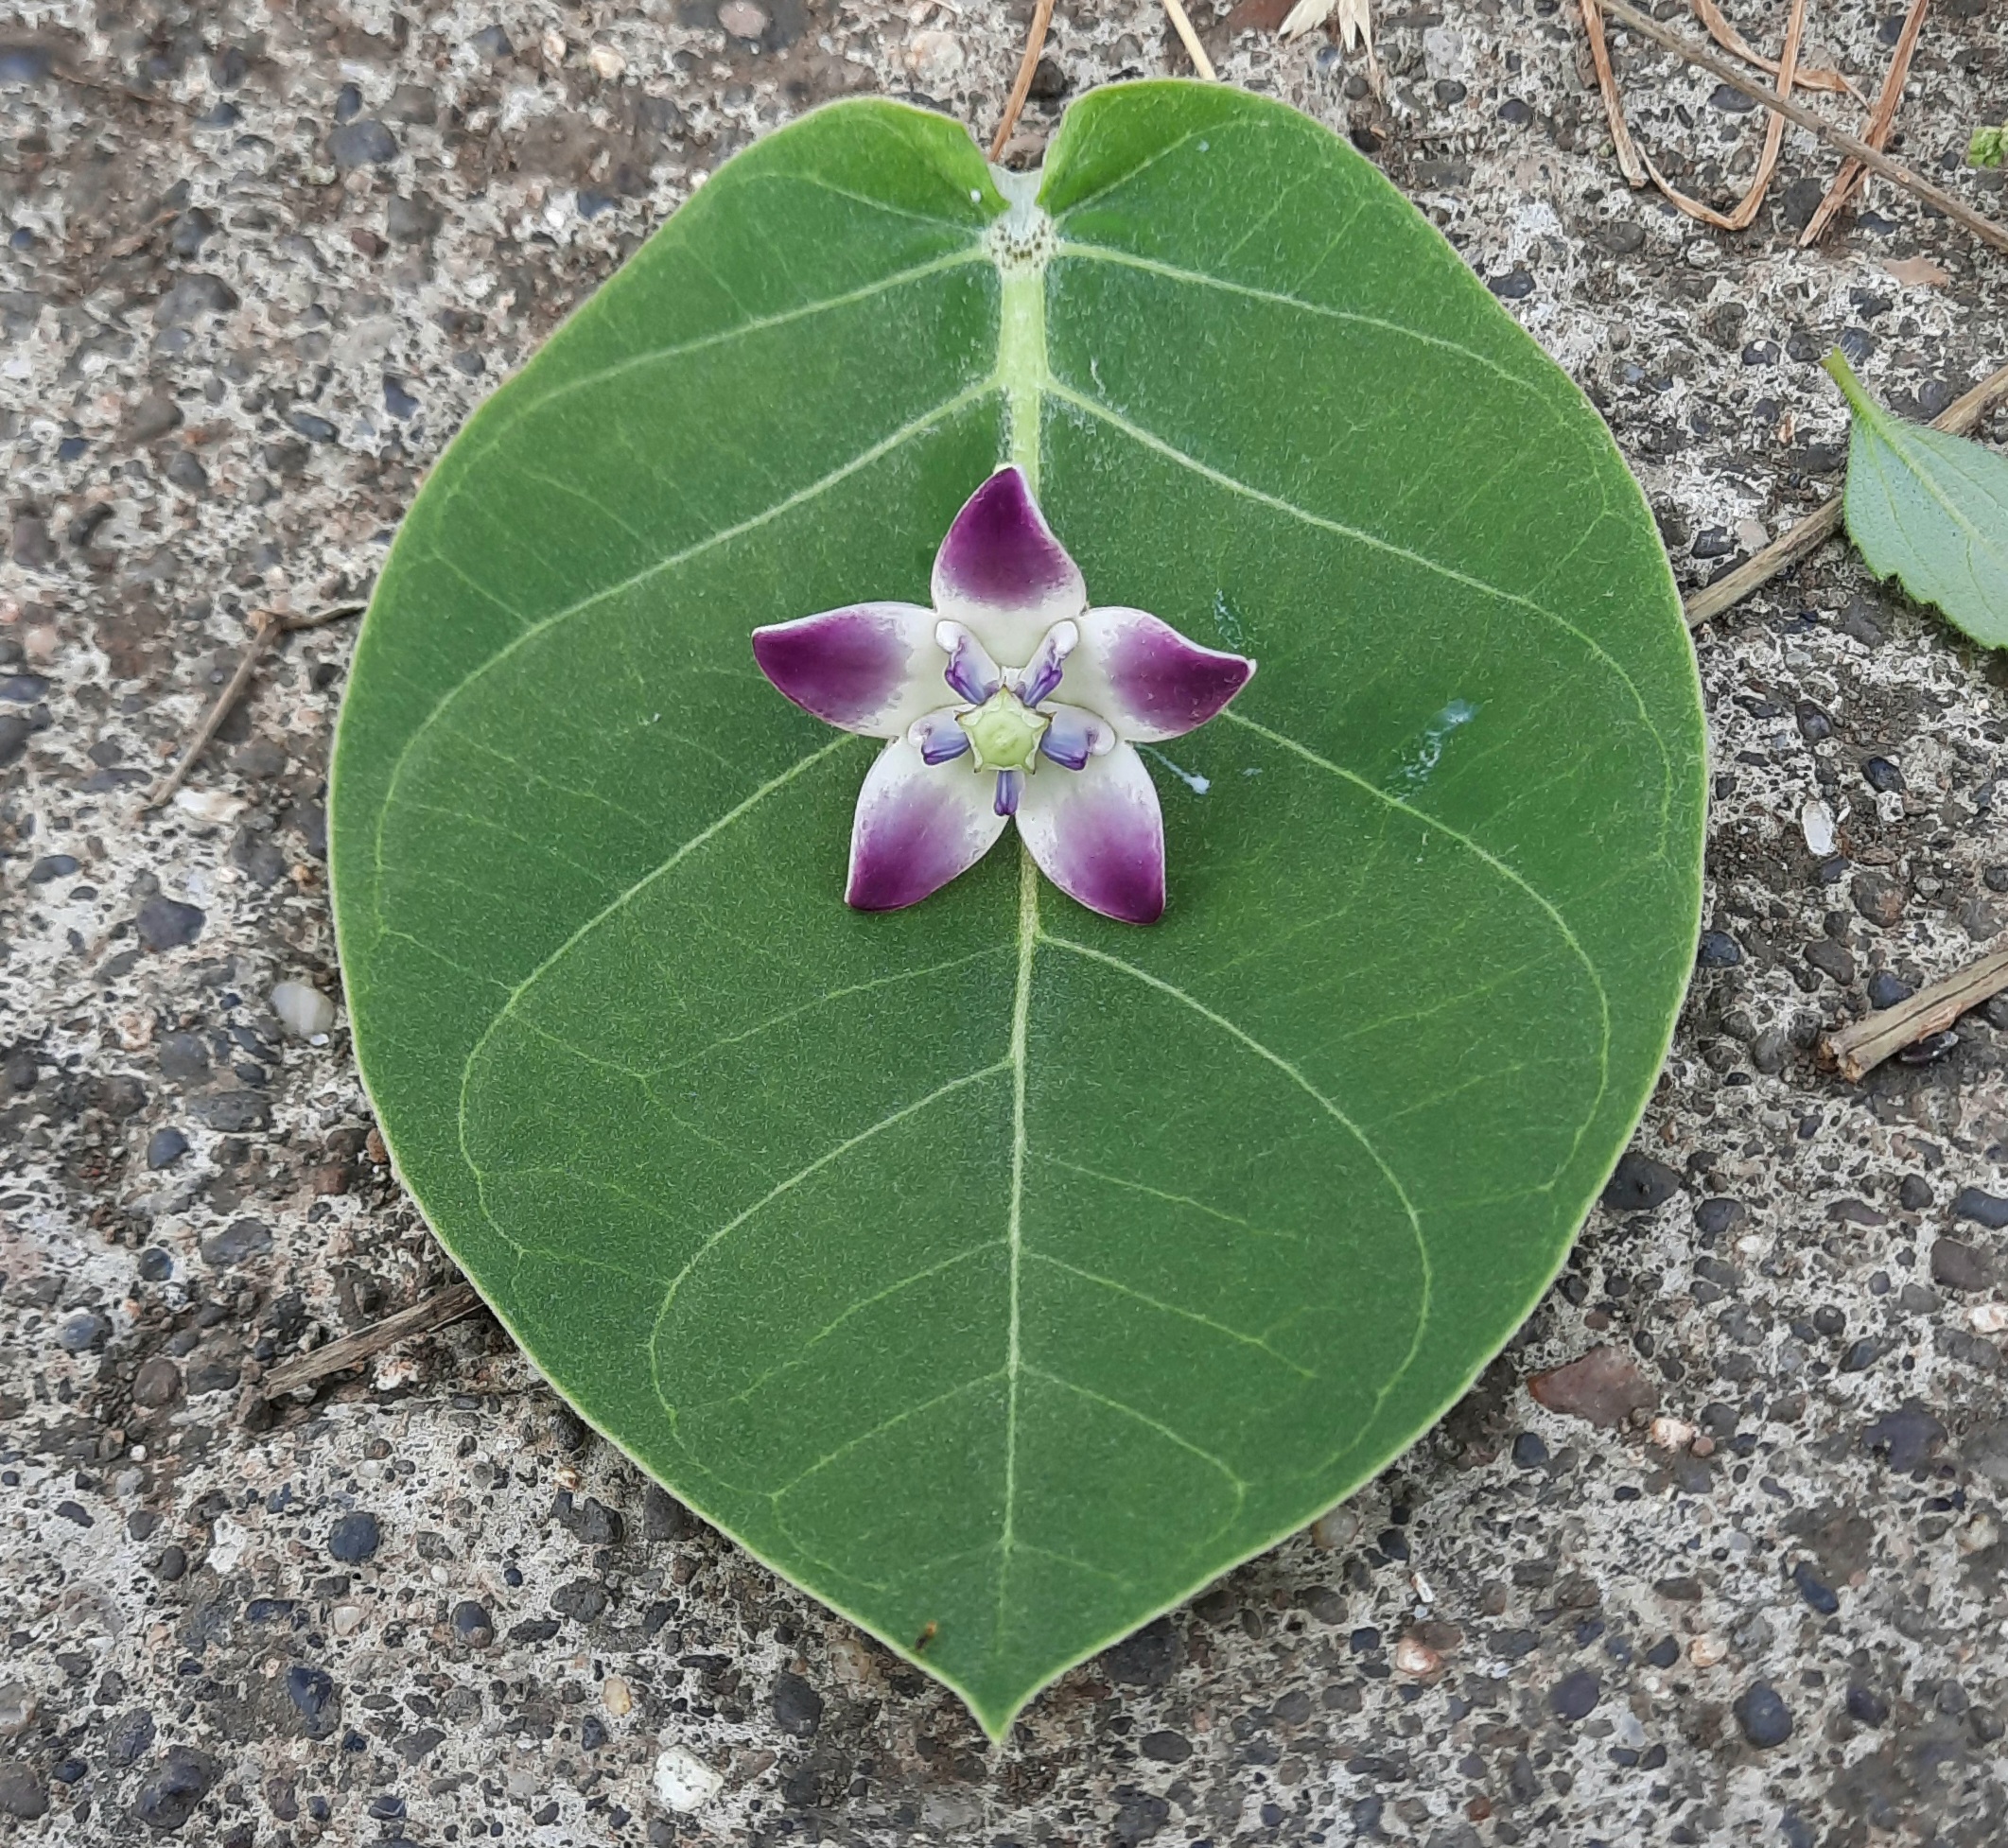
(1022, 85)
(1190, 40)
(1726, 35)
(1848, 182)
(1645, 27)
(267, 626)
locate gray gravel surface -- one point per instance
(1730, 1570)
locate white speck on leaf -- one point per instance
(1191, 778)
(1418, 768)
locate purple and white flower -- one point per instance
(1047, 702)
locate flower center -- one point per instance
(1004, 731)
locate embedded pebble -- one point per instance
(1763, 1716)
(743, 19)
(684, 1782)
(355, 1537)
(17, 1710)
(304, 1011)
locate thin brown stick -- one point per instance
(271, 626)
(1958, 417)
(1190, 39)
(1857, 1049)
(451, 1304)
(1848, 182)
(1726, 35)
(1613, 108)
(262, 638)
(1022, 85)
(292, 625)
(1981, 227)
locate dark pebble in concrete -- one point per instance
(182, 1056)
(1881, 774)
(364, 142)
(22, 1794)
(1960, 1266)
(168, 1797)
(1908, 1438)
(355, 1537)
(1982, 1209)
(1575, 1696)
(1821, 1597)
(1529, 1452)
(1764, 1718)
(311, 1690)
(1718, 951)
(1640, 1184)
(164, 1147)
(797, 1707)
(1886, 991)
(1865, 1706)
(237, 1241)
(80, 1332)
(472, 1623)
(168, 924)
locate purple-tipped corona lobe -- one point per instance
(937, 736)
(1001, 569)
(1144, 677)
(970, 673)
(1099, 836)
(1075, 736)
(915, 829)
(853, 667)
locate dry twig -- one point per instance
(1848, 182)
(1613, 108)
(1751, 202)
(1981, 227)
(1190, 40)
(1958, 417)
(451, 1304)
(1022, 85)
(269, 627)
(1725, 35)
(1857, 1049)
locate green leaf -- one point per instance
(1929, 509)
(998, 1273)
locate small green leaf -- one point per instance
(1988, 147)
(1929, 509)
(999, 1273)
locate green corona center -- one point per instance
(1004, 731)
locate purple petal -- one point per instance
(937, 737)
(869, 669)
(1100, 836)
(1146, 679)
(1076, 735)
(1001, 571)
(970, 673)
(915, 829)
(1042, 671)
(1010, 787)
